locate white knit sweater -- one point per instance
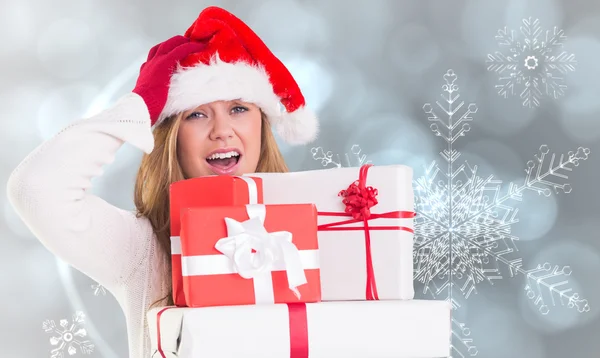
(49, 190)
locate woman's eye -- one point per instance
(196, 115)
(239, 109)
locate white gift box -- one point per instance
(353, 329)
(343, 253)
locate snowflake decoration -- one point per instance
(463, 224)
(463, 227)
(354, 158)
(460, 340)
(534, 62)
(67, 337)
(98, 289)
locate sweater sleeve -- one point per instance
(49, 191)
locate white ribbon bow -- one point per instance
(255, 253)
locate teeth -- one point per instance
(224, 155)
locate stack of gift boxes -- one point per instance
(308, 264)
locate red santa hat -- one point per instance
(236, 64)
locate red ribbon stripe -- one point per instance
(298, 330)
(159, 345)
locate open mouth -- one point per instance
(224, 163)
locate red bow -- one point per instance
(359, 198)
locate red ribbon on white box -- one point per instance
(298, 326)
(358, 200)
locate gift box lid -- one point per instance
(321, 187)
(212, 190)
(206, 225)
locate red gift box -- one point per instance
(205, 191)
(253, 254)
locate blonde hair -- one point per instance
(161, 167)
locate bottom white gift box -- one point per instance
(354, 329)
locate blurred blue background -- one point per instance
(517, 253)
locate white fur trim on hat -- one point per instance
(191, 87)
(222, 81)
(298, 127)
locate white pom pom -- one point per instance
(298, 127)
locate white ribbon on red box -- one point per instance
(254, 253)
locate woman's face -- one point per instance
(221, 138)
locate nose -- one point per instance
(222, 127)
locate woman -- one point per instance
(211, 97)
